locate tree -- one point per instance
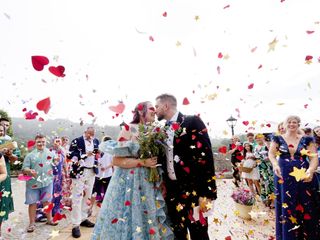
(4, 114)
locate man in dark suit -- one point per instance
(82, 152)
(189, 176)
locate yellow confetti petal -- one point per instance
(299, 174)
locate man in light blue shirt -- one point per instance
(38, 164)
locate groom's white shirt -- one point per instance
(169, 149)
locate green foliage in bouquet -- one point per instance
(152, 143)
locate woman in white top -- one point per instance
(253, 176)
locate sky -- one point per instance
(242, 58)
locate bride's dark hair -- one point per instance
(141, 107)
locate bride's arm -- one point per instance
(125, 162)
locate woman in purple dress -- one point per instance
(57, 175)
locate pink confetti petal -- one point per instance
(309, 32)
(251, 86)
(185, 101)
(22, 177)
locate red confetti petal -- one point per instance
(199, 144)
(91, 114)
(24, 110)
(260, 66)
(44, 105)
(175, 126)
(40, 119)
(308, 58)
(127, 203)
(58, 216)
(57, 71)
(246, 123)
(151, 39)
(220, 55)
(165, 14)
(185, 101)
(268, 125)
(38, 62)
(228, 238)
(114, 220)
(310, 32)
(30, 144)
(187, 169)
(118, 108)
(152, 231)
(122, 139)
(251, 86)
(31, 115)
(140, 107)
(47, 209)
(222, 149)
(306, 217)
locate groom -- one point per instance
(189, 177)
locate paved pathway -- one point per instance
(222, 224)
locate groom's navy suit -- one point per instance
(195, 177)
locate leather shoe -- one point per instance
(87, 223)
(76, 232)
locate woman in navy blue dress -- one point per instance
(291, 154)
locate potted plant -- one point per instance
(244, 201)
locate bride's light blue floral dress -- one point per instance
(133, 208)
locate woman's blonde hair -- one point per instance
(291, 117)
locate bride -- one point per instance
(132, 207)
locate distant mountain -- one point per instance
(25, 130)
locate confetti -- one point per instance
(185, 101)
(38, 62)
(44, 105)
(118, 108)
(250, 86)
(57, 71)
(299, 174)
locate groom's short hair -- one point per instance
(168, 98)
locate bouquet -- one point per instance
(152, 143)
(243, 196)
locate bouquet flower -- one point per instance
(243, 196)
(152, 143)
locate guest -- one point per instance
(83, 170)
(38, 164)
(265, 169)
(6, 205)
(307, 131)
(296, 204)
(3, 173)
(104, 176)
(57, 175)
(133, 207)
(66, 180)
(252, 177)
(281, 128)
(235, 149)
(6, 124)
(250, 139)
(189, 175)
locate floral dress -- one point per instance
(133, 208)
(6, 200)
(266, 172)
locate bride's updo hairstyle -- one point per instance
(140, 112)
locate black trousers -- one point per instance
(180, 210)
